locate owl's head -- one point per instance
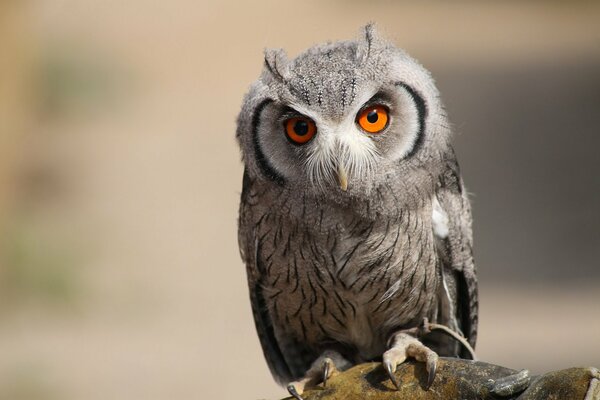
(341, 118)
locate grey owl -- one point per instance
(354, 223)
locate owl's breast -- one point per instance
(354, 283)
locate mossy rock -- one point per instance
(458, 379)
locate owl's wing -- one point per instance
(250, 252)
(452, 227)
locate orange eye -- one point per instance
(373, 119)
(300, 129)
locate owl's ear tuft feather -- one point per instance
(365, 44)
(276, 62)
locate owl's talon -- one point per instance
(431, 368)
(406, 345)
(321, 370)
(390, 371)
(329, 369)
(292, 390)
(325, 373)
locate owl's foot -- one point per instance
(323, 368)
(405, 345)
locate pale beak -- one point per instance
(342, 178)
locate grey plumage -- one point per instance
(343, 270)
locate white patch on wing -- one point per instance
(440, 219)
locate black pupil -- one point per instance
(372, 116)
(301, 128)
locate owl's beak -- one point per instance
(342, 178)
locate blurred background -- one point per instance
(120, 276)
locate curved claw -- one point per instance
(292, 390)
(325, 374)
(390, 371)
(431, 368)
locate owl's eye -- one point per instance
(300, 129)
(373, 119)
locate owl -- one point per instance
(354, 223)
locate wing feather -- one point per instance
(457, 249)
(250, 252)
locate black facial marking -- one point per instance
(422, 114)
(352, 91)
(262, 162)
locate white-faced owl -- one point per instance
(354, 224)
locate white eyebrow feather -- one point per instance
(341, 145)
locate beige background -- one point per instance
(120, 276)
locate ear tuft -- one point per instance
(365, 44)
(276, 62)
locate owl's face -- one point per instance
(341, 118)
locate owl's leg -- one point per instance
(323, 368)
(405, 345)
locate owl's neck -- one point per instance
(320, 212)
